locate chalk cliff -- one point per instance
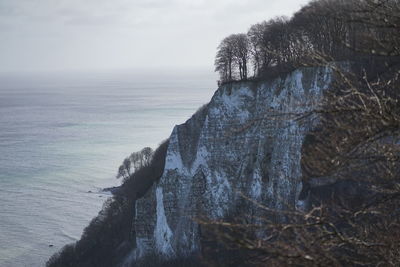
(246, 141)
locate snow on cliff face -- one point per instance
(248, 139)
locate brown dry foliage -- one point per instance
(350, 162)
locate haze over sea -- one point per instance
(62, 138)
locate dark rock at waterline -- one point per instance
(115, 190)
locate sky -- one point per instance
(46, 35)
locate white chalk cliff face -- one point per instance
(248, 141)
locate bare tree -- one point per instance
(141, 158)
(224, 60)
(135, 161)
(234, 51)
(124, 171)
(241, 53)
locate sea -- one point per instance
(63, 136)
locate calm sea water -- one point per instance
(62, 137)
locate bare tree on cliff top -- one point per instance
(224, 61)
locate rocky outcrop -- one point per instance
(246, 141)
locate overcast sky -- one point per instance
(121, 34)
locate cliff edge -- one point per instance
(246, 143)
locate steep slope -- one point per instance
(248, 141)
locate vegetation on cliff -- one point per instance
(350, 162)
(108, 237)
(323, 30)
